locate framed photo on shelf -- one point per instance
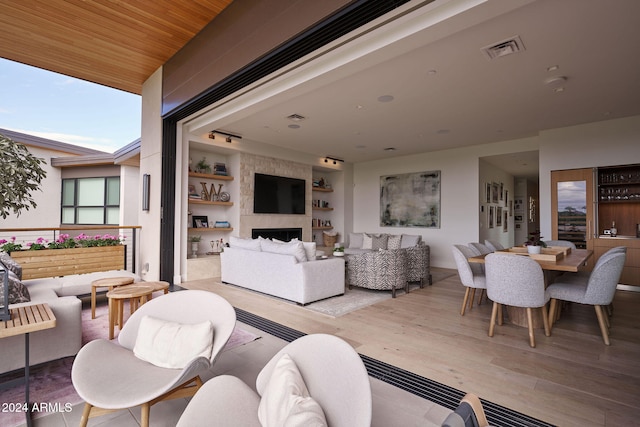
(200, 221)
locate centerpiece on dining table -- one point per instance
(535, 243)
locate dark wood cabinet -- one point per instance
(619, 199)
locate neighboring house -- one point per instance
(83, 187)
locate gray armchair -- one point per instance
(516, 281)
(380, 270)
(598, 290)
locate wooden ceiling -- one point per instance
(116, 43)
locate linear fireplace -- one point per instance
(284, 234)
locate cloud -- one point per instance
(101, 144)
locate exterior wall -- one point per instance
(151, 163)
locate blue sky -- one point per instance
(65, 109)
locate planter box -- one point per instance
(65, 262)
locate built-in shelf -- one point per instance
(322, 228)
(322, 209)
(207, 202)
(210, 176)
(322, 189)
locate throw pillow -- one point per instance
(172, 345)
(286, 401)
(250, 244)
(295, 248)
(394, 241)
(367, 241)
(410, 240)
(356, 240)
(380, 241)
(18, 292)
(11, 264)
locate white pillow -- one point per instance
(367, 241)
(410, 240)
(170, 344)
(286, 401)
(295, 248)
(250, 244)
(355, 240)
(310, 250)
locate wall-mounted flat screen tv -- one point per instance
(278, 195)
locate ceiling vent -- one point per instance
(504, 48)
(296, 117)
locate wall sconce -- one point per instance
(335, 160)
(212, 135)
(146, 188)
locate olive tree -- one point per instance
(20, 175)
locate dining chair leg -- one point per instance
(471, 298)
(552, 312)
(532, 338)
(606, 317)
(494, 313)
(545, 321)
(464, 300)
(603, 326)
(144, 414)
(500, 315)
(84, 419)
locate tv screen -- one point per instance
(278, 195)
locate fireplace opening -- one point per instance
(284, 234)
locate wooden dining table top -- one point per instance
(570, 262)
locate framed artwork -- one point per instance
(499, 217)
(506, 198)
(410, 200)
(510, 207)
(518, 218)
(501, 191)
(492, 215)
(488, 192)
(494, 192)
(200, 221)
(505, 221)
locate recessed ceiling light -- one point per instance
(296, 117)
(294, 126)
(390, 149)
(385, 98)
(432, 72)
(553, 68)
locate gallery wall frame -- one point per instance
(410, 200)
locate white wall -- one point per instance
(459, 194)
(151, 163)
(607, 143)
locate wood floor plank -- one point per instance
(570, 378)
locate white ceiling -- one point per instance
(446, 92)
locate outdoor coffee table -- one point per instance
(157, 286)
(107, 282)
(137, 293)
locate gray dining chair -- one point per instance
(493, 245)
(480, 248)
(471, 275)
(598, 290)
(516, 281)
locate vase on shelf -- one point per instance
(534, 249)
(194, 249)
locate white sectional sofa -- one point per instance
(285, 270)
(60, 293)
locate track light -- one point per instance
(212, 135)
(335, 160)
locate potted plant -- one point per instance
(203, 166)
(195, 242)
(535, 243)
(338, 251)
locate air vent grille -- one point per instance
(296, 117)
(504, 48)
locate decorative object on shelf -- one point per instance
(329, 238)
(535, 243)
(211, 194)
(220, 169)
(222, 224)
(200, 221)
(192, 192)
(203, 166)
(614, 230)
(338, 250)
(195, 240)
(224, 196)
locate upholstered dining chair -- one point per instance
(562, 243)
(321, 373)
(598, 290)
(516, 281)
(160, 352)
(493, 245)
(471, 275)
(480, 248)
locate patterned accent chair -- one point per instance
(419, 264)
(380, 270)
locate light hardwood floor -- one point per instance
(569, 379)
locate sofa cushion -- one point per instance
(375, 241)
(409, 240)
(286, 401)
(172, 345)
(251, 244)
(394, 241)
(295, 248)
(355, 240)
(18, 292)
(11, 264)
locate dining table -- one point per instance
(572, 261)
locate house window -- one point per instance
(91, 201)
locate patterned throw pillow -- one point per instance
(18, 292)
(394, 241)
(375, 241)
(11, 264)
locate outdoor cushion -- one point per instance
(18, 292)
(11, 264)
(170, 344)
(286, 400)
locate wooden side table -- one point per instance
(26, 319)
(157, 286)
(137, 293)
(107, 282)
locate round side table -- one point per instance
(107, 282)
(137, 293)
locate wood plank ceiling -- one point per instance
(116, 43)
